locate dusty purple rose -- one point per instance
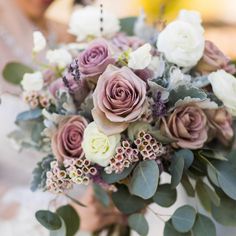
(144, 74)
(66, 141)
(119, 98)
(55, 86)
(213, 60)
(220, 123)
(67, 83)
(124, 42)
(186, 126)
(95, 59)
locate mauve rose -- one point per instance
(220, 123)
(95, 59)
(213, 60)
(55, 86)
(186, 126)
(66, 141)
(124, 42)
(68, 83)
(144, 74)
(119, 98)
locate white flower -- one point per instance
(157, 65)
(86, 22)
(182, 43)
(32, 81)
(98, 147)
(192, 17)
(141, 57)
(39, 41)
(224, 87)
(60, 57)
(177, 78)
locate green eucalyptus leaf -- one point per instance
(48, 219)
(61, 231)
(212, 175)
(206, 195)
(187, 186)
(187, 155)
(70, 218)
(176, 170)
(144, 180)
(183, 218)
(211, 154)
(126, 202)
(226, 172)
(225, 213)
(29, 115)
(127, 25)
(165, 196)
(203, 226)
(114, 178)
(215, 199)
(169, 230)
(232, 157)
(101, 195)
(13, 72)
(203, 196)
(138, 223)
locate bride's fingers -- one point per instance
(114, 218)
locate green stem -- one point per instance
(75, 201)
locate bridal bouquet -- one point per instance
(125, 105)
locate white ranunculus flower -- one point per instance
(60, 57)
(181, 43)
(98, 147)
(192, 17)
(224, 87)
(32, 81)
(141, 57)
(86, 23)
(39, 41)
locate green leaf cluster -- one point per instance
(64, 222)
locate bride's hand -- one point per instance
(94, 216)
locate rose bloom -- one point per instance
(124, 42)
(98, 147)
(186, 126)
(119, 99)
(95, 59)
(213, 60)
(66, 141)
(220, 123)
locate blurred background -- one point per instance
(219, 15)
(18, 19)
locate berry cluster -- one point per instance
(57, 179)
(148, 146)
(34, 99)
(74, 171)
(124, 157)
(145, 147)
(79, 170)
